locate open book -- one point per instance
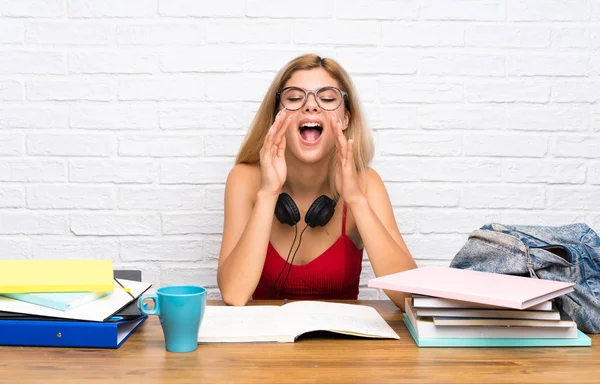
(270, 323)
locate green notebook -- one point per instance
(582, 340)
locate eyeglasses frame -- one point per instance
(314, 93)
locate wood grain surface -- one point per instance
(314, 358)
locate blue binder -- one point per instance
(68, 333)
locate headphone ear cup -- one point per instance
(320, 212)
(286, 210)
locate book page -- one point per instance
(230, 324)
(352, 319)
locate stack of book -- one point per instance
(464, 308)
(67, 303)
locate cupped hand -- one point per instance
(346, 176)
(272, 155)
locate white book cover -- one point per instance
(488, 313)
(423, 301)
(492, 322)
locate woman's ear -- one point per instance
(346, 120)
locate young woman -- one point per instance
(301, 202)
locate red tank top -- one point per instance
(334, 275)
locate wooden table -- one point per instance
(322, 359)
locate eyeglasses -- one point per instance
(328, 98)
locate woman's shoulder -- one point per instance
(372, 177)
(245, 171)
(244, 177)
(375, 185)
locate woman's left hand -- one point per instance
(346, 176)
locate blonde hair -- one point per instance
(249, 152)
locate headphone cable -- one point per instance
(274, 287)
(292, 262)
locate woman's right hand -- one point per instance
(272, 155)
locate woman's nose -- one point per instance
(311, 103)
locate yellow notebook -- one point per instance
(27, 276)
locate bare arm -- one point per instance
(246, 231)
(250, 197)
(372, 210)
(378, 229)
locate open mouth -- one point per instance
(311, 131)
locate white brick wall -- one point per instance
(119, 120)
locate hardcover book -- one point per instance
(474, 286)
(582, 340)
(488, 313)
(423, 301)
(426, 328)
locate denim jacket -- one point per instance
(569, 253)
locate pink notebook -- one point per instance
(473, 286)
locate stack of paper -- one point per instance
(463, 308)
(68, 303)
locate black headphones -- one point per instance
(319, 213)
